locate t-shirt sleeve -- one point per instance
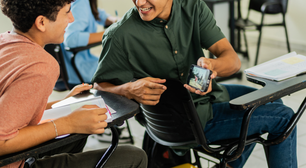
(210, 33)
(25, 99)
(114, 65)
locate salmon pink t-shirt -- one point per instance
(27, 77)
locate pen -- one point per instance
(116, 13)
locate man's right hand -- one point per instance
(146, 90)
(89, 119)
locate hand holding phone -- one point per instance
(199, 78)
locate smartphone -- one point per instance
(199, 78)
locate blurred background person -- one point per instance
(82, 32)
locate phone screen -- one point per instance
(199, 78)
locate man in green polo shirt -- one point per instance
(160, 39)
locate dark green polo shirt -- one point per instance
(133, 48)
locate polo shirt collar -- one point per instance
(161, 22)
(158, 22)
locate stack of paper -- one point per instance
(70, 104)
(280, 68)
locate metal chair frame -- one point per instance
(174, 122)
(270, 7)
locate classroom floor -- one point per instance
(257, 159)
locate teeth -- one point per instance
(145, 9)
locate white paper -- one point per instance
(68, 105)
(280, 68)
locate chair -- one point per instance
(174, 122)
(53, 144)
(75, 51)
(56, 51)
(270, 7)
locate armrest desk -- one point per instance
(124, 108)
(271, 91)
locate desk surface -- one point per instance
(271, 91)
(124, 108)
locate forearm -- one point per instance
(33, 135)
(146, 90)
(95, 37)
(122, 90)
(227, 61)
(226, 66)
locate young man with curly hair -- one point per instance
(27, 77)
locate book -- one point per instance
(280, 68)
(66, 106)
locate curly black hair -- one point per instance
(24, 12)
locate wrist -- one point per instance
(126, 90)
(63, 126)
(212, 63)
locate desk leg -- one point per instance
(291, 125)
(110, 149)
(243, 136)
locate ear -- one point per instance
(41, 22)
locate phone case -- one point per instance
(199, 78)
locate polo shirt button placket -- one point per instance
(166, 26)
(182, 74)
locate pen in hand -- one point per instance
(116, 13)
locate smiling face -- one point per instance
(150, 9)
(56, 29)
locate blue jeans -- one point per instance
(271, 117)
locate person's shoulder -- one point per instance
(25, 56)
(80, 8)
(41, 64)
(188, 6)
(80, 2)
(40, 55)
(9, 38)
(17, 45)
(188, 3)
(125, 26)
(25, 50)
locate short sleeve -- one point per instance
(210, 33)
(114, 66)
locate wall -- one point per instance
(5, 23)
(111, 5)
(296, 20)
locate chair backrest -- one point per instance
(271, 9)
(56, 51)
(174, 120)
